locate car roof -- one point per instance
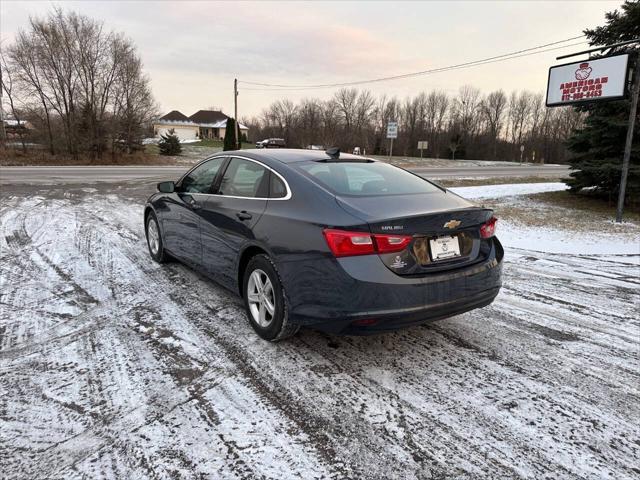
(293, 155)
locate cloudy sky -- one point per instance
(193, 50)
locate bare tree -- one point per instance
(7, 87)
(466, 109)
(3, 132)
(493, 108)
(519, 110)
(134, 106)
(365, 103)
(87, 80)
(24, 59)
(309, 121)
(437, 107)
(410, 123)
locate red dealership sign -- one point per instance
(598, 79)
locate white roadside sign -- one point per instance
(423, 145)
(591, 80)
(392, 130)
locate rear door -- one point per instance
(230, 215)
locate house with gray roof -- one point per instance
(204, 124)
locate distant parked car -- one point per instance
(271, 143)
(341, 243)
(315, 147)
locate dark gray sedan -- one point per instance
(340, 243)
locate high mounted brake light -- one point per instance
(488, 230)
(346, 244)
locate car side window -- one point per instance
(277, 188)
(199, 180)
(244, 178)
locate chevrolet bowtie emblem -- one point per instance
(452, 224)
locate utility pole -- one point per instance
(635, 89)
(235, 113)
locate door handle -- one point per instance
(243, 215)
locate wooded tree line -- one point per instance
(469, 124)
(81, 87)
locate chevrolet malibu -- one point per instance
(340, 243)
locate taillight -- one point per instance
(488, 230)
(391, 243)
(346, 244)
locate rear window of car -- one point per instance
(365, 178)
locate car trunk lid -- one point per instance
(435, 221)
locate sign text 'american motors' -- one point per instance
(598, 79)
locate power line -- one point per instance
(498, 58)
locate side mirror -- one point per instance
(167, 187)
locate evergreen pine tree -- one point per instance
(169, 143)
(230, 135)
(598, 146)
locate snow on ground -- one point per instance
(555, 240)
(552, 238)
(508, 190)
(155, 140)
(112, 366)
(447, 162)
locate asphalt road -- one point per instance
(84, 174)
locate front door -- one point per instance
(181, 221)
(230, 215)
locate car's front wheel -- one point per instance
(265, 301)
(154, 239)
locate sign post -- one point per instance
(422, 145)
(635, 90)
(521, 153)
(392, 132)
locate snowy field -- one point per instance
(604, 238)
(112, 366)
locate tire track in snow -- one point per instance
(244, 471)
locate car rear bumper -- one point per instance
(360, 295)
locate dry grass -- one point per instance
(12, 157)
(579, 213)
(588, 204)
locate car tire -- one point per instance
(154, 239)
(261, 288)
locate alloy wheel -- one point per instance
(261, 297)
(153, 236)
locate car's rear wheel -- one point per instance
(265, 300)
(154, 239)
